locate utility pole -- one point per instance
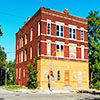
(5, 75)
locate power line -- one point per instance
(10, 14)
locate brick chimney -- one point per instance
(24, 22)
(28, 18)
(66, 11)
(19, 28)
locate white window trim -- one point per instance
(19, 73)
(38, 49)
(31, 53)
(48, 21)
(73, 27)
(60, 24)
(60, 43)
(31, 34)
(21, 56)
(17, 45)
(49, 42)
(82, 29)
(39, 28)
(75, 45)
(82, 51)
(16, 73)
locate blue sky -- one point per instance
(13, 13)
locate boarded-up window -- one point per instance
(48, 47)
(16, 73)
(31, 52)
(25, 53)
(79, 79)
(72, 51)
(19, 73)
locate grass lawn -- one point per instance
(12, 87)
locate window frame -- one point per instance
(58, 75)
(31, 34)
(39, 48)
(49, 43)
(21, 56)
(25, 55)
(82, 52)
(31, 52)
(72, 27)
(48, 22)
(60, 44)
(39, 28)
(74, 45)
(60, 32)
(82, 31)
(26, 38)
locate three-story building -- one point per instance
(59, 41)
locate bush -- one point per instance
(96, 85)
(32, 75)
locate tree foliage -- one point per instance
(2, 64)
(11, 72)
(94, 46)
(32, 75)
(1, 33)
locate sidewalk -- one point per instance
(38, 91)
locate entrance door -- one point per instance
(66, 78)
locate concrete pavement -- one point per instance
(8, 95)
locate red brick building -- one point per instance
(57, 39)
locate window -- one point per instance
(16, 73)
(22, 40)
(17, 44)
(49, 47)
(24, 73)
(26, 38)
(31, 35)
(74, 75)
(39, 49)
(72, 32)
(31, 52)
(72, 51)
(59, 29)
(84, 75)
(25, 55)
(82, 51)
(21, 56)
(79, 79)
(58, 75)
(17, 59)
(19, 73)
(48, 27)
(82, 35)
(20, 43)
(39, 30)
(59, 49)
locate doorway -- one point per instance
(66, 78)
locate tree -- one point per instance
(1, 33)
(94, 46)
(11, 72)
(32, 75)
(2, 64)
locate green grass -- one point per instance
(13, 87)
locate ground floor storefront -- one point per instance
(65, 74)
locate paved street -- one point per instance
(7, 95)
